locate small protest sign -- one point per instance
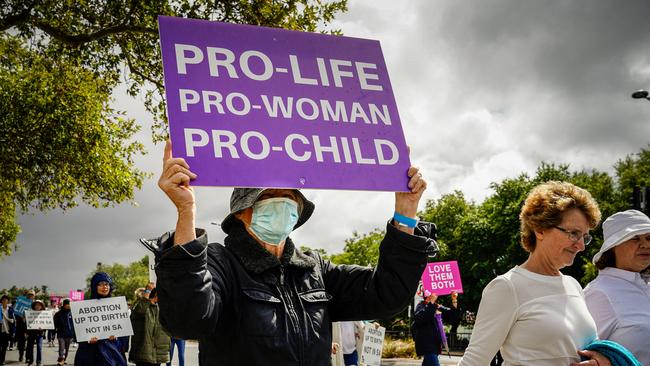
(22, 304)
(372, 345)
(101, 318)
(442, 278)
(253, 106)
(76, 295)
(152, 268)
(55, 300)
(39, 319)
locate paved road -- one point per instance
(50, 355)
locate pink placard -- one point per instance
(442, 278)
(55, 300)
(76, 295)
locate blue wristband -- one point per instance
(405, 221)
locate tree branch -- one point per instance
(13, 20)
(76, 40)
(137, 72)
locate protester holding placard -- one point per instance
(64, 330)
(426, 329)
(260, 300)
(6, 323)
(100, 352)
(149, 343)
(536, 315)
(35, 337)
(21, 325)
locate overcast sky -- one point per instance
(486, 90)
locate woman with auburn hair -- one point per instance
(618, 298)
(533, 313)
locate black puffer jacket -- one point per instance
(246, 307)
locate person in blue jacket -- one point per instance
(100, 352)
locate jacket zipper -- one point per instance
(293, 316)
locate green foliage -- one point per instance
(60, 61)
(360, 249)
(42, 292)
(633, 171)
(109, 36)
(126, 278)
(60, 139)
(485, 238)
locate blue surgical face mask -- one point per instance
(273, 219)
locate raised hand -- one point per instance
(175, 182)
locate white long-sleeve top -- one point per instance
(535, 320)
(619, 301)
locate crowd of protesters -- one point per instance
(254, 288)
(149, 345)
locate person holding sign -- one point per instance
(260, 300)
(21, 326)
(536, 315)
(426, 331)
(35, 337)
(100, 352)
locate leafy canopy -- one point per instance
(60, 61)
(484, 238)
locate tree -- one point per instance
(360, 249)
(126, 278)
(60, 61)
(633, 171)
(42, 292)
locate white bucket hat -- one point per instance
(621, 227)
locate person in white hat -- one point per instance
(619, 298)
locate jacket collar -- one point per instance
(256, 259)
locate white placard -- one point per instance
(152, 269)
(101, 318)
(43, 319)
(373, 343)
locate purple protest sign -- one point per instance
(442, 278)
(263, 107)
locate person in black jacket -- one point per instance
(426, 330)
(260, 300)
(64, 330)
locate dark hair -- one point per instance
(153, 293)
(5, 297)
(607, 259)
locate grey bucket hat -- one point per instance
(243, 198)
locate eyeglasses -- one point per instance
(103, 284)
(574, 236)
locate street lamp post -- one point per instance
(641, 94)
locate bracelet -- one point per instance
(405, 221)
